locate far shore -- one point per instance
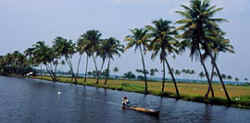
(189, 91)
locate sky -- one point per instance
(24, 22)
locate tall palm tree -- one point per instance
(164, 44)
(198, 20)
(84, 46)
(139, 38)
(92, 39)
(65, 48)
(109, 48)
(218, 44)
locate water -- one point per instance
(37, 101)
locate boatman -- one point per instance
(125, 102)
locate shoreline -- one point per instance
(212, 101)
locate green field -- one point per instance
(188, 91)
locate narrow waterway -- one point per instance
(38, 101)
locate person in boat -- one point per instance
(125, 102)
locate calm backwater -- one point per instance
(38, 101)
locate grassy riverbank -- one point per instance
(189, 91)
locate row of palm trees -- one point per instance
(14, 62)
(62, 51)
(198, 31)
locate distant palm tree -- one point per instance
(29, 54)
(115, 69)
(201, 74)
(177, 72)
(139, 38)
(224, 76)
(153, 71)
(229, 77)
(129, 75)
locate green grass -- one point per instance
(189, 91)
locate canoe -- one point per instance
(144, 110)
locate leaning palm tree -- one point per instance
(218, 44)
(164, 44)
(198, 20)
(139, 38)
(93, 39)
(65, 48)
(84, 46)
(43, 54)
(109, 48)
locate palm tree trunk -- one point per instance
(173, 78)
(50, 74)
(144, 71)
(86, 69)
(41, 71)
(107, 74)
(55, 70)
(103, 62)
(212, 76)
(163, 78)
(220, 77)
(78, 66)
(207, 75)
(71, 70)
(97, 72)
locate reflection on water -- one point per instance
(37, 101)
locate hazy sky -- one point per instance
(23, 22)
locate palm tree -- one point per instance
(218, 44)
(43, 54)
(80, 50)
(153, 71)
(198, 21)
(129, 75)
(164, 44)
(229, 77)
(224, 76)
(116, 70)
(65, 48)
(92, 39)
(139, 38)
(110, 47)
(29, 53)
(201, 74)
(177, 72)
(84, 46)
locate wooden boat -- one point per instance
(144, 110)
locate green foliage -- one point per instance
(129, 75)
